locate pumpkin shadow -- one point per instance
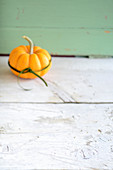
(8, 77)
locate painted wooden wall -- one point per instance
(63, 27)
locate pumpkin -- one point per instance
(29, 61)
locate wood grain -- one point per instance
(69, 80)
(68, 125)
(63, 27)
(56, 136)
(57, 14)
(79, 42)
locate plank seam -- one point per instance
(56, 103)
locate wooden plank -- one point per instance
(62, 27)
(60, 41)
(56, 14)
(69, 80)
(56, 136)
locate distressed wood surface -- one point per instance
(61, 41)
(69, 80)
(55, 14)
(56, 136)
(76, 27)
(67, 125)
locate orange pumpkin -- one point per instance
(29, 61)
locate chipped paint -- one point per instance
(107, 31)
(67, 49)
(18, 14)
(23, 11)
(54, 120)
(106, 17)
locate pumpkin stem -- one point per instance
(30, 43)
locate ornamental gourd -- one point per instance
(30, 61)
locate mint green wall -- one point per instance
(71, 27)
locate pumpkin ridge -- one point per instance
(37, 49)
(29, 60)
(45, 52)
(25, 48)
(39, 60)
(11, 58)
(18, 59)
(14, 51)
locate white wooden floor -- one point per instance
(67, 125)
